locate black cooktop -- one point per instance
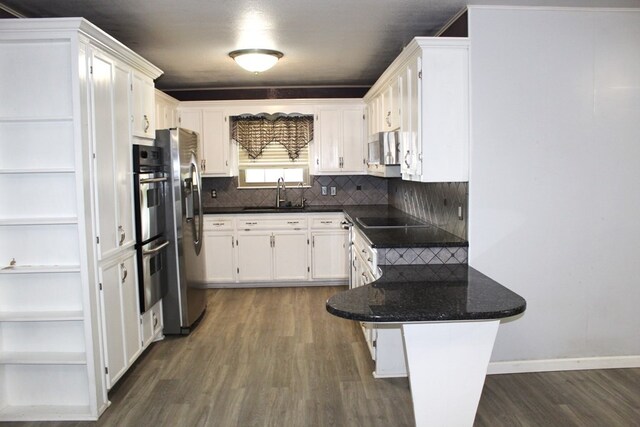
(390, 222)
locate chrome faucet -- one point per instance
(278, 198)
(302, 199)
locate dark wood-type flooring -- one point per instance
(275, 357)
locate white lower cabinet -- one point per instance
(242, 250)
(219, 255)
(255, 261)
(271, 256)
(120, 315)
(290, 255)
(384, 341)
(151, 324)
(329, 247)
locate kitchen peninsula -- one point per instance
(449, 315)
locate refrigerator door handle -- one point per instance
(196, 209)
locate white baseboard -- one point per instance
(572, 364)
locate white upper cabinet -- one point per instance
(425, 94)
(166, 111)
(212, 127)
(410, 148)
(391, 105)
(215, 143)
(144, 108)
(339, 140)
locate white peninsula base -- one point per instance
(447, 364)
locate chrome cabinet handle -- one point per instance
(156, 250)
(124, 272)
(405, 158)
(146, 123)
(203, 164)
(388, 118)
(150, 180)
(123, 235)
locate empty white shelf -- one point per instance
(45, 413)
(31, 269)
(36, 170)
(39, 221)
(40, 316)
(42, 358)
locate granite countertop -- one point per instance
(428, 236)
(431, 292)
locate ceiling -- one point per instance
(329, 43)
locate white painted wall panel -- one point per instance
(555, 162)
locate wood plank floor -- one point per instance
(275, 357)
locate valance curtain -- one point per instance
(254, 133)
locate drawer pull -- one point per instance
(326, 222)
(293, 222)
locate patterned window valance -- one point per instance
(254, 133)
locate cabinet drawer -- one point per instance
(324, 223)
(211, 224)
(289, 223)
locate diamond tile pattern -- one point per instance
(412, 256)
(373, 191)
(436, 203)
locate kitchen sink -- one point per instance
(264, 209)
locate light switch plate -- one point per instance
(324, 190)
(333, 191)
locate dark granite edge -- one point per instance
(260, 211)
(435, 316)
(441, 317)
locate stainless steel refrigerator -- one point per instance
(185, 301)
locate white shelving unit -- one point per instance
(51, 347)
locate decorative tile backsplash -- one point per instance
(411, 256)
(350, 190)
(436, 203)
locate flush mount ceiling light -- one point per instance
(256, 60)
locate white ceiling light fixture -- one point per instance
(256, 60)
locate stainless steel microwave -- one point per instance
(384, 148)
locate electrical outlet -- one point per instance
(214, 194)
(333, 191)
(359, 187)
(324, 190)
(460, 216)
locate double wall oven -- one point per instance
(150, 189)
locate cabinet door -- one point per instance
(329, 156)
(290, 255)
(255, 260)
(121, 317)
(192, 120)
(329, 255)
(219, 257)
(112, 148)
(143, 117)
(113, 323)
(353, 144)
(151, 324)
(391, 105)
(215, 146)
(410, 147)
(130, 309)
(123, 156)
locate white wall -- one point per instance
(555, 176)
